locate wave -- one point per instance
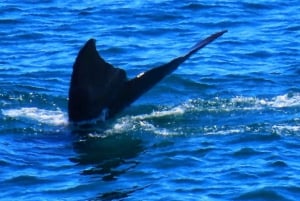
(286, 100)
(253, 103)
(143, 122)
(177, 120)
(50, 117)
(169, 121)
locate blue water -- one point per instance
(224, 126)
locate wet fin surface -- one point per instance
(96, 86)
(137, 86)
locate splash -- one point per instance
(286, 100)
(285, 129)
(56, 118)
(143, 122)
(179, 110)
(171, 117)
(253, 103)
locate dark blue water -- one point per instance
(224, 126)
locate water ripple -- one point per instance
(224, 126)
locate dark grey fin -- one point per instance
(137, 86)
(99, 88)
(203, 43)
(94, 84)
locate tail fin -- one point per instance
(137, 86)
(203, 43)
(94, 84)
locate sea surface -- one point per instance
(224, 126)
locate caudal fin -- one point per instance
(137, 86)
(204, 42)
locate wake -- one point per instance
(151, 122)
(50, 117)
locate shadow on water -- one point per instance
(116, 195)
(110, 155)
(107, 156)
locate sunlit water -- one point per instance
(224, 126)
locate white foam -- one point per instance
(131, 124)
(226, 132)
(141, 122)
(281, 101)
(279, 129)
(286, 100)
(179, 110)
(50, 117)
(144, 121)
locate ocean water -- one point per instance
(224, 126)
